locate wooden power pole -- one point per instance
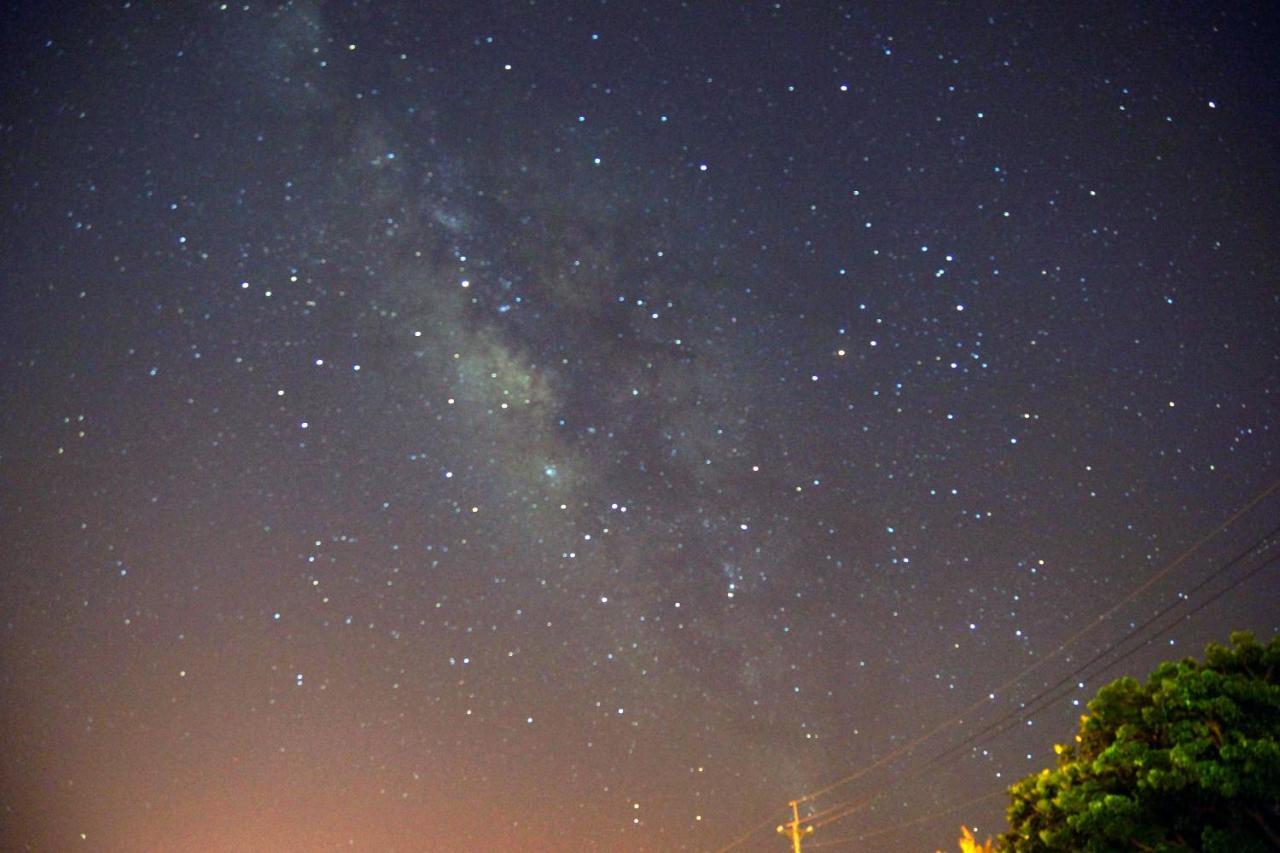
(792, 828)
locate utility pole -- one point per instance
(792, 828)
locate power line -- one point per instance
(831, 842)
(750, 832)
(945, 724)
(1024, 710)
(951, 754)
(1202, 605)
(840, 811)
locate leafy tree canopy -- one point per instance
(1188, 761)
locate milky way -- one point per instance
(576, 426)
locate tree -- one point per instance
(1188, 761)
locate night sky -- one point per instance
(564, 426)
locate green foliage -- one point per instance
(1188, 761)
